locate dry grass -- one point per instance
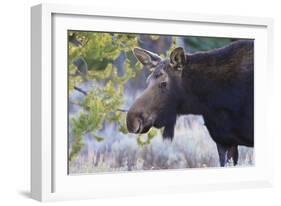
(192, 147)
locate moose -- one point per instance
(217, 84)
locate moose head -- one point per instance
(157, 105)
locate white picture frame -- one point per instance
(49, 179)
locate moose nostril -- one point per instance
(134, 122)
(138, 125)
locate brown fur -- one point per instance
(223, 63)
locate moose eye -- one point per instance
(163, 84)
(158, 74)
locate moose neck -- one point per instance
(202, 71)
(190, 103)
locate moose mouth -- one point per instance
(138, 126)
(143, 128)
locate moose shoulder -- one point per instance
(218, 84)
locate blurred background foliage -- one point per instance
(106, 61)
(205, 43)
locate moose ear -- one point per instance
(147, 58)
(177, 58)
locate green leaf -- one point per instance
(152, 133)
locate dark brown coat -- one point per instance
(217, 84)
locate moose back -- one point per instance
(217, 84)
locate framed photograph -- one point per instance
(138, 102)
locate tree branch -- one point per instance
(122, 110)
(81, 90)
